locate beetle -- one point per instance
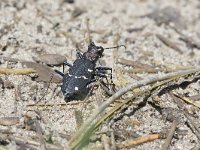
(76, 82)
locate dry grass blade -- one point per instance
(188, 100)
(169, 43)
(147, 70)
(46, 106)
(18, 71)
(135, 64)
(79, 136)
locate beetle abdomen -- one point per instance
(76, 80)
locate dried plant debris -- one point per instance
(9, 121)
(45, 73)
(77, 12)
(8, 84)
(191, 41)
(171, 114)
(169, 43)
(51, 59)
(135, 64)
(167, 15)
(69, 1)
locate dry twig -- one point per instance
(170, 135)
(131, 142)
(192, 125)
(169, 43)
(188, 100)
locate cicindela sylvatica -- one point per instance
(77, 82)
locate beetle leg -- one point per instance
(65, 63)
(102, 75)
(60, 73)
(79, 55)
(109, 88)
(102, 68)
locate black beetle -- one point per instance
(76, 82)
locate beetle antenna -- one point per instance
(45, 91)
(115, 47)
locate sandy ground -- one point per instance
(31, 28)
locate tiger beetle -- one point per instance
(77, 82)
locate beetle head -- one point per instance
(94, 52)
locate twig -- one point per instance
(136, 64)
(46, 106)
(188, 100)
(136, 141)
(131, 142)
(88, 37)
(18, 71)
(189, 40)
(116, 50)
(89, 123)
(170, 135)
(148, 70)
(193, 126)
(180, 104)
(169, 43)
(39, 133)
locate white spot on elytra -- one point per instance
(76, 77)
(76, 88)
(84, 77)
(89, 70)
